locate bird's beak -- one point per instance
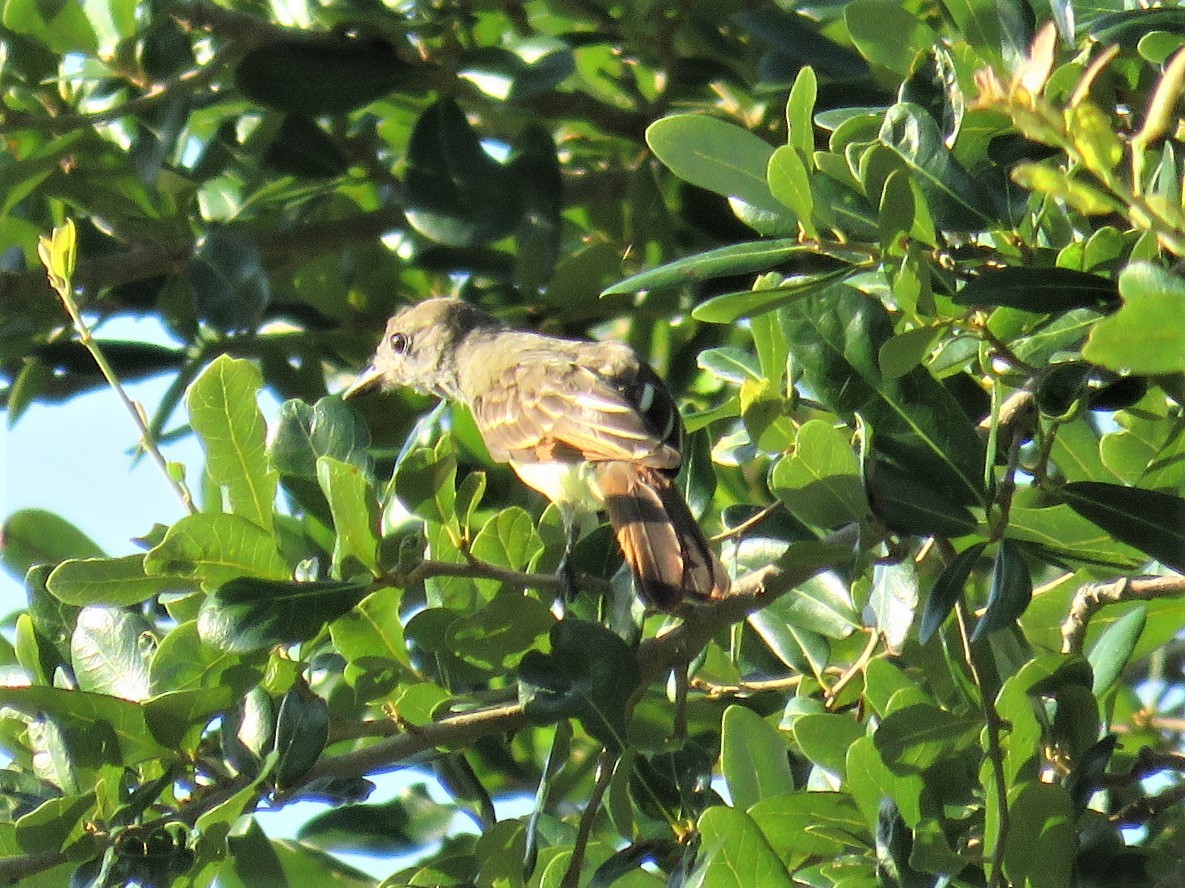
(368, 380)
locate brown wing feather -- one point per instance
(549, 407)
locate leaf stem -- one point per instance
(63, 284)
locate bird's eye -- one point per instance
(398, 342)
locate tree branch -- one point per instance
(1090, 598)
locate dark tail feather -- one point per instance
(660, 539)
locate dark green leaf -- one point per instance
(457, 194)
(955, 200)
(835, 337)
(735, 259)
(301, 148)
(302, 729)
(1045, 290)
(1128, 27)
(323, 74)
(1151, 522)
(327, 428)
(249, 615)
(1089, 771)
(590, 674)
(231, 287)
(399, 826)
(948, 588)
(1011, 591)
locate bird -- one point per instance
(586, 423)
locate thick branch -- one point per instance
(1089, 599)
(451, 732)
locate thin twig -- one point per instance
(483, 570)
(64, 288)
(747, 524)
(831, 693)
(587, 818)
(994, 753)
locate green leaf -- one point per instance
(716, 155)
(734, 259)
(1041, 845)
(790, 183)
(916, 737)
(302, 730)
(824, 738)
(251, 614)
(110, 651)
(800, 111)
(500, 630)
(62, 27)
(98, 716)
(1060, 532)
(1045, 290)
(118, 582)
(753, 758)
(948, 588)
(36, 536)
(223, 412)
(508, 539)
(212, 549)
(823, 824)
(729, 363)
(735, 854)
(1010, 593)
(1145, 335)
(955, 201)
(888, 34)
(355, 513)
(53, 823)
(426, 482)
(178, 719)
(894, 600)
(456, 194)
(727, 308)
(182, 663)
(590, 674)
(835, 337)
(1151, 522)
(370, 638)
(1114, 648)
(819, 481)
(870, 780)
(904, 351)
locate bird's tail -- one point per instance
(660, 539)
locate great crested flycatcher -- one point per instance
(586, 424)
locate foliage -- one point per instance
(913, 271)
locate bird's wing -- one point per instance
(555, 406)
